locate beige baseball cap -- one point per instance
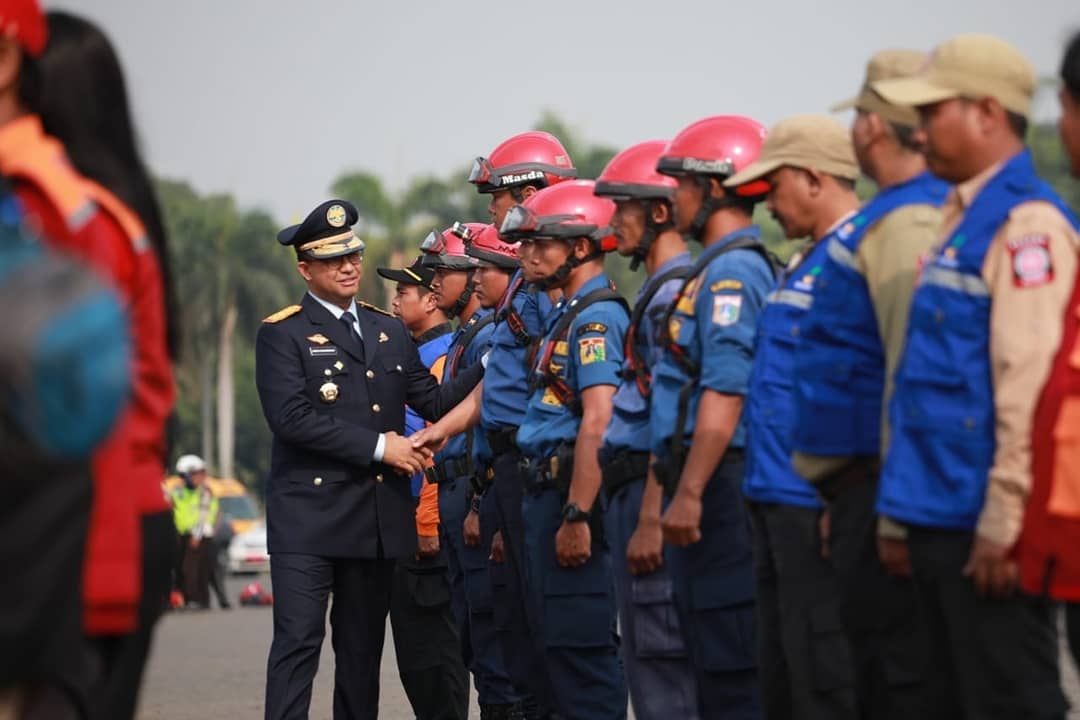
(886, 65)
(813, 142)
(971, 66)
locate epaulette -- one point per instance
(369, 306)
(282, 314)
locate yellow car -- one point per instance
(234, 501)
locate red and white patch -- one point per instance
(1031, 261)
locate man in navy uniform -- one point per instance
(333, 377)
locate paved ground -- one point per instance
(211, 666)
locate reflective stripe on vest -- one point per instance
(942, 410)
(770, 406)
(840, 367)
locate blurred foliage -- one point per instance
(221, 256)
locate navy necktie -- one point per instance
(347, 319)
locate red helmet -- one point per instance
(446, 249)
(487, 247)
(718, 146)
(532, 158)
(568, 211)
(23, 22)
(632, 174)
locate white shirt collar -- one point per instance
(336, 311)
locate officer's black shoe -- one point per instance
(507, 711)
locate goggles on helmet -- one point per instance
(523, 224)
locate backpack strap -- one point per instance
(637, 368)
(543, 376)
(469, 334)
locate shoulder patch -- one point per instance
(592, 350)
(725, 285)
(282, 314)
(591, 327)
(373, 308)
(1031, 260)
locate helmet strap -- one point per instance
(652, 231)
(709, 205)
(565, 269)
(463, 298)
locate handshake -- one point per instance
(410, 455)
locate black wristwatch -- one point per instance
(572, 513)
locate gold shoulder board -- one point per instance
(282, 314)
(369, 306)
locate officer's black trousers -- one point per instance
(302, 586)
(881, 612)
(804, 654)
(426, 640)
(989, 659)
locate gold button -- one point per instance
(376, 407)
(370, 374)
(379, 478)
(318, 481)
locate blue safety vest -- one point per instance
(942, 409)
(840, 367)
(770, 403)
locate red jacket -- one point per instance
(1049, 545)
(78, 216)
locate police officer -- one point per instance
(517, 169)
(467, 286)
(334, 376)
(807, 672)
(426, 639)
(984, 325)
(654, 655)
(850, 342)
(571, 386)
(698, 388)
(195, 512)
(1049, 546)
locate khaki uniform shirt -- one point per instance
(1025, 331)
(888, 258)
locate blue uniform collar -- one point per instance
(671, 263)
(596, 283)
(707, 255)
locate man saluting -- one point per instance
(334, 376)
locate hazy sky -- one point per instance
(272, 99)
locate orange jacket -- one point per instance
(80, 217)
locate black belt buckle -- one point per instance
(503, 441)
(623, 468)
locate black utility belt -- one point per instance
(502, 441)
(623, 468)
(447, 470)
(550, 473)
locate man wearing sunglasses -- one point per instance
(334, 376)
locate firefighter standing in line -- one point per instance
(984, 325)
(698, 388)
(658, 673)
(571, 386)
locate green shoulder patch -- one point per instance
(373, 308)
(591, 327)
(282, 314)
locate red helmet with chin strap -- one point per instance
(566, 211)
(446, 248)
(632, 175)
(532, 158)
(490, 249)
(716, 147)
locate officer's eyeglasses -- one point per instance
(336, 263)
